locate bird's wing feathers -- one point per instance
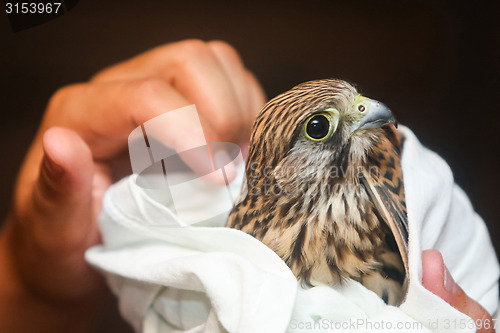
(384, 185)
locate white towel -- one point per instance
(193, 278)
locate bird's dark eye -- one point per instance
(361, 108)
(318, 127)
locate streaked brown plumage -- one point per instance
(332, 207)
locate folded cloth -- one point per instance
(170, 276)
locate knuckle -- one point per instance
(194, 49)
(224, 48)
(144, 98)
(105, 74)
(62, 96)
(63, 99)
(146, 90)
(191, 55)
(53, 243)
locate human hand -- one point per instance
(437, 279)
(72, 159)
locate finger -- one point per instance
(245, 85)
(61, 201)
(157, 62)
(54, 225)
(105, 114)
(193, 69)
(235, 73)
(258, 97)
(437, 279)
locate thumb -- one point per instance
(61, 202)
(437, 279)
(54, 225)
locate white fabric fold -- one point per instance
(172, 277)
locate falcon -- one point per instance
(324, 188)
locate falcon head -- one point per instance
(315, 130)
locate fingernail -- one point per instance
(449, 283)
(52, 167)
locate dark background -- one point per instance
(435, 63)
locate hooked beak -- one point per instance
(376, 114)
